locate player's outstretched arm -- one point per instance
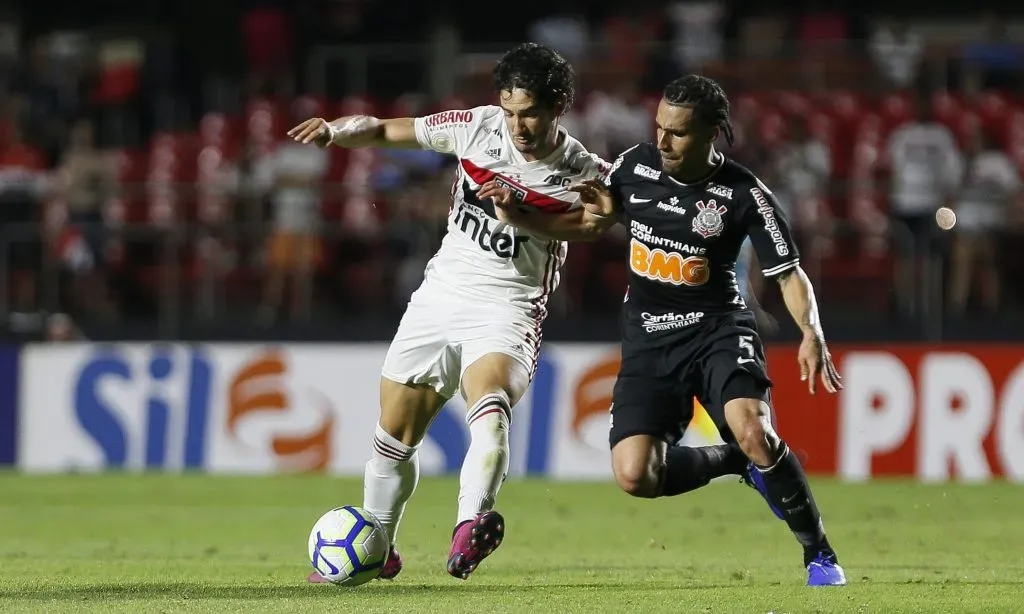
(357, 131)
(586, 223)
(813, 356)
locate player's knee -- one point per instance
(495, 373)
(753, 441)
(638, 476)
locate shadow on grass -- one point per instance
(167, 590)
(184, 591)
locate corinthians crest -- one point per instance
(708, 221)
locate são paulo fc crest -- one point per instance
(708, 221)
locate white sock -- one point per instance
(486, 462)
(390, 479)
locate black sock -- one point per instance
(788, 491)
(688, 468)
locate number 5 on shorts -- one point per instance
(747, 347)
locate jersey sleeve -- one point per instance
(615, 175)
(770, 232)
(594, 167)
(452, 132)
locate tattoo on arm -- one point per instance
(804, 311)
(784, 277)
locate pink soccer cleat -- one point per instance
(473, 541)
(392, 566)
(316, 578)
(391, 569)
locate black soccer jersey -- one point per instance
(685, 238)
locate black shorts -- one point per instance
(715, 361)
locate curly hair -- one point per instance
(541, 71)
(707, 99)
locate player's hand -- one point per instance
(815, 360)
(503, 200)
(314, 130)
(595, 197)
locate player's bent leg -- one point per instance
(646, 466)
(649, 414)
(784, 480)
(491, 385)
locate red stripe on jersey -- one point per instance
(481, 176)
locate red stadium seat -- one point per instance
(844, 106)
(222, 131)
(357, 105)
(213, 129)
(451, 102)
(793, 103)
(772, 126)
(1015, 137)
(310, 105)
(993, 111)
(896, 109)
(746, 107)
(176, 179)
(651, 102)
(265, 124)
(408, 105)
(946, 107)
(213, 203)
(964, 125)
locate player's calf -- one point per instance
(486, 462)
(749, 420)
(491, 385)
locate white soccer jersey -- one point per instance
(481, 258)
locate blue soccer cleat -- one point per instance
(753, 478)
(824, 571)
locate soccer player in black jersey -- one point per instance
(686, 330)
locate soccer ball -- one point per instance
(348, 546)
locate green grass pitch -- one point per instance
(161, 543)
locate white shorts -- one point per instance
(438, 338)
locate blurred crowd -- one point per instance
(127, 189)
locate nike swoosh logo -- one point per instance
(785, 500)
(633, 199)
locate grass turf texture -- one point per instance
(158, 543)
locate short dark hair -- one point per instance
(539, 70)
(707, 99)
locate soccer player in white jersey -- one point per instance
(474, 325)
